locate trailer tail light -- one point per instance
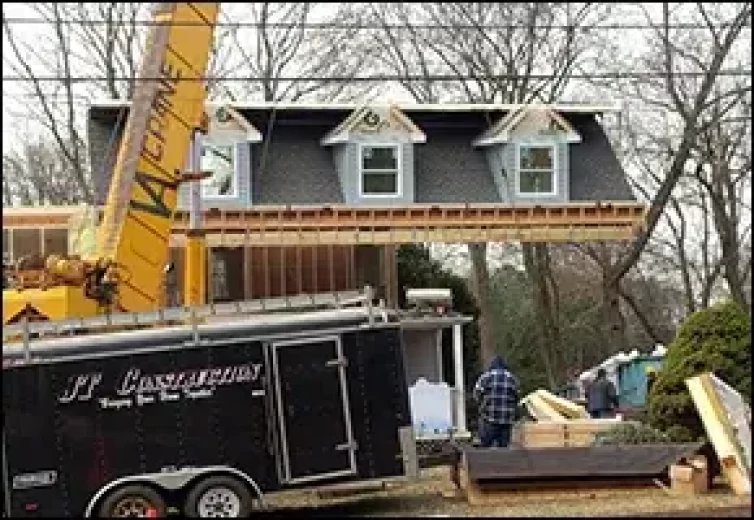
(31, 507)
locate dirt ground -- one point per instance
(425, 498)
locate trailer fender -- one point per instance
(172, 480)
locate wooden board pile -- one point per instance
(558, 423)
(727, 420)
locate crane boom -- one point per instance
(135, 230)
(127, 271)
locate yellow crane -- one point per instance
(127, 270)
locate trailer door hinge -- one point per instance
(350, 446)
(339, 362)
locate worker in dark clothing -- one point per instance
(496, 391)
(602, 399)
(651, 378)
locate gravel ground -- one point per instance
(425, 498)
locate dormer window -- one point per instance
(219, 158)
(536, 170)
(527, 151)
(380, 173)
(226, 153)
(373, 151)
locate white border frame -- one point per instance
(236, 166)
(555, 177)
(399, 173)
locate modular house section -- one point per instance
(391, 155)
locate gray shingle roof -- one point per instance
(448, 169)
(297, 169)
(596, 173)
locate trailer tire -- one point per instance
(132, 499)
(228, 496)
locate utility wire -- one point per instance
(371, 25)
(385, 77)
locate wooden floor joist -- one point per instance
(445, 223)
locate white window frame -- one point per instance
(398, 170)
(234, 144)
(537, 144)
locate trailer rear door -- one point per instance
(316, 437)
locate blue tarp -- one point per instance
(632, 380)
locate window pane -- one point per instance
(380, 183)
(379, 158)
(218, 159)
(536, 157)
(535, 182)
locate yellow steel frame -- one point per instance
(134, 234)
(195, 273)
(54, 302)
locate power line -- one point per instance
(385, 77)
(370, 25)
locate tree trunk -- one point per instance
(731, 264)
(644, 320)
(536, 261)
(613, 322)
(480, 281)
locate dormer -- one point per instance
(527, 152)
(374, 155)
(227, 153)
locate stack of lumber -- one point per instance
(546, 406)
(558, 423)
(562, 434)
(727, 420)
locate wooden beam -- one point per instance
(441, 235)
(444, 223)
(720, 431)
(445, 215)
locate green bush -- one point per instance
(631, 433)
(715, 340)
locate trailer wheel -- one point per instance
(219, 496)
(133, 501)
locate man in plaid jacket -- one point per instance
(496, 391)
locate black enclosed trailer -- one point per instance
(205, 419)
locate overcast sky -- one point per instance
(16, 126)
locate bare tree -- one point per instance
(726, 178)
(112, 47)
(37, 176)
(690, 101)
(100, 40)
(281, 44)
(60, 120)
(525, 58)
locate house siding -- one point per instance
(494, 156)
(243, 198)
(342, 160)
(350, 176)
(104, 141)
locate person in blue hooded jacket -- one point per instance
(496, 391)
